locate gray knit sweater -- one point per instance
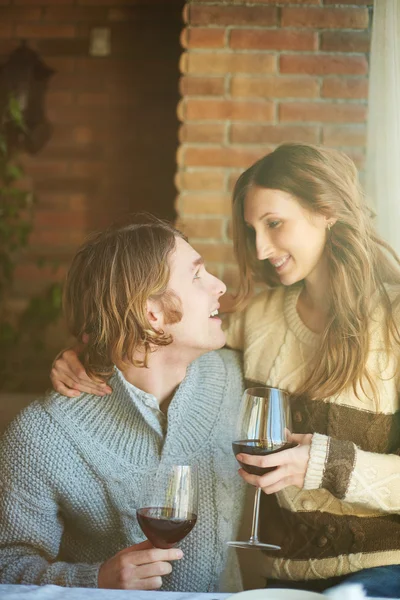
(71, 471)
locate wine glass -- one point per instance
(264, 426)
(169, 504)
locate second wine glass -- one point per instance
(264, 427)
(168, 508)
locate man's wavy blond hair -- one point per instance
(325, 181)
(108, 284)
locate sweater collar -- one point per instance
(295, 324)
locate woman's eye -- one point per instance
(273, 224)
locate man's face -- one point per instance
(198, 292)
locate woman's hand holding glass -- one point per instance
(289, 466)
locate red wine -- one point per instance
(161, 527)
(258, 448)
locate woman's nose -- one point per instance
(263, 247)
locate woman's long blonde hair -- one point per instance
(105, 296)
(325, 181)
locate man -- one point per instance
(72, 470)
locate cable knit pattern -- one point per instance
(72, 471)
(347, 515)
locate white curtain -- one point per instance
(383, 143)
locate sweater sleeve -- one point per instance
(353, 475)
(30, 516)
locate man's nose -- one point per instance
(219, 286)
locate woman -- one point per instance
(326, 330)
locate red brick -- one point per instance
(93, 99)
(195, 228)
(351, 135)
(220, 157)
(97, 3)
(215, 253)
(203, 37)
(230, 15)
(73, 13)
(56, 238)
(41, 2)
(115, 68)
(204, 204)
(45, 273)
(201, 86)
(62, 47)
(59, 99)
(42, 168)
(228, 109)
(270, 39)
(7, 45)
(61, 65)
(213, 133)
(54, 201)
(60, 219)
(60, 202)
(275, 87)
(204, 179)
(324, 64)
(45, 31)
(129, 12)
(215, 63)
(78, 202)
(83, 135)
(329, 18)
(91, 168)
(272, 134)
(345, 87)
(5, 30)
(323, 112)
(16, 14)
(345, 41)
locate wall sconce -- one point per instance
(25, 76)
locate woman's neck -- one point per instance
(314, 302)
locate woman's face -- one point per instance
(288, 235)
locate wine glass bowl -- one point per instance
(264, 426)
(169, 505)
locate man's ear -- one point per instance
(155, 313)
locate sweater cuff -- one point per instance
(316, 462)
(84, 575)
(339, 467)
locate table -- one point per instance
(54, 592)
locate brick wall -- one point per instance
(113, 148)
(255, 75)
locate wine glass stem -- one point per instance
(256, 513)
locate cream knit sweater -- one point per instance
(347, 516)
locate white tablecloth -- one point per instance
(53, 592)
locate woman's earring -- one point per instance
(329, 226)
